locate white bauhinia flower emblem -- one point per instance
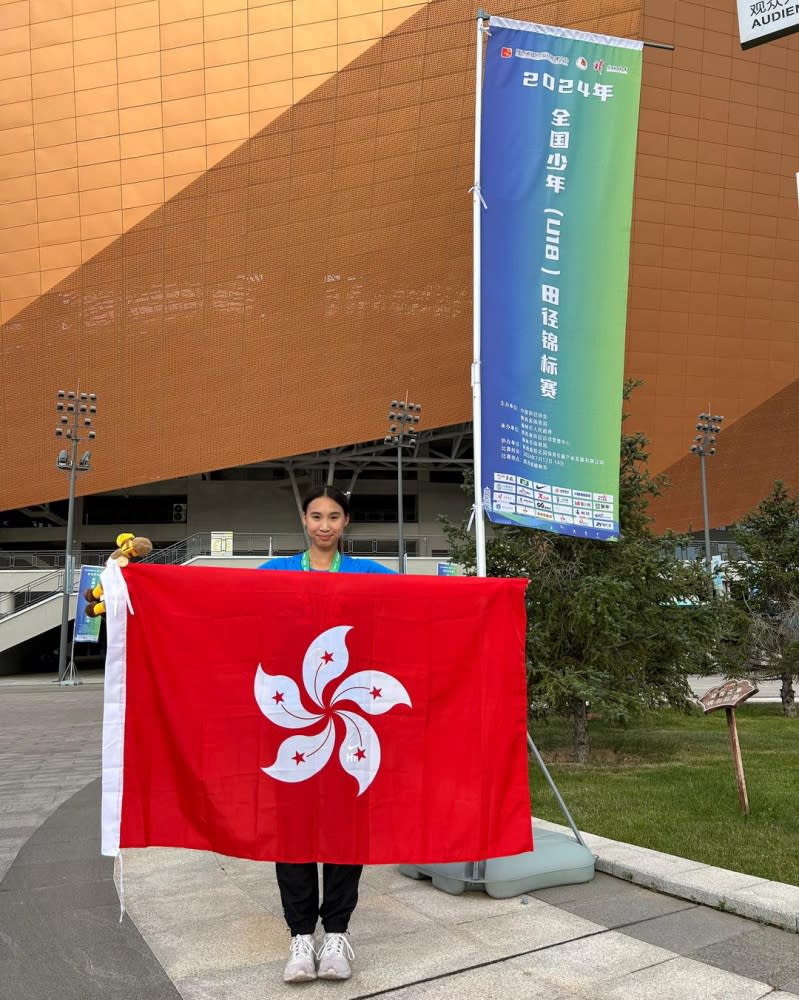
(374, 692)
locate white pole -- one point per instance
(479, 523)
(477, 203)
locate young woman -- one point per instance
(325, 514)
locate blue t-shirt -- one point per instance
(348, 564)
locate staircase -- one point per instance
(34, 608)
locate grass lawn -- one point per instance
(667, 782)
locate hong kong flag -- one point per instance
(289, 716)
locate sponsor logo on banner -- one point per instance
(540, 56)
(604, 506)
(542, 487)
(616, 69)
(583, 503)
(505, 52)
(501, 504)
(561, 509)
(581, 62)
(564, 518)
(583, 495)
(603, 497)
(561, 491)
(503, 477)
(587, 522)
(545, 515)
(504, 488)
(526, 482)
(605, 525)
(540, 495)
(599, 65)
(527, 509)
(522, 491)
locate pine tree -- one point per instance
(613, 628)
(766, 586)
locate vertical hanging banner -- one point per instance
(560, 120)
(87, 629)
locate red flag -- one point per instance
(295, 716)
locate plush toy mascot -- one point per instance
(128, 547)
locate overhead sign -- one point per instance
(759, 20)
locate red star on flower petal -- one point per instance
(376, 692)
(327, 657)
(277, 697)
(298, 758)
(360, 753)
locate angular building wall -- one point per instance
(714, 295)
(246, 225)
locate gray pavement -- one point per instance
(205, 927)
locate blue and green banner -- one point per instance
(87, 629)
(559, 127)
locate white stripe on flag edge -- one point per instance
(115, 594)
(580, 36)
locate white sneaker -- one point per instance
(335, 956)
(301, 964)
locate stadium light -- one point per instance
(402, 431)
(76, 415)
(704, 446)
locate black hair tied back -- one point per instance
(334, 494)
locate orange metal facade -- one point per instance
(246, 225)
(714, 291)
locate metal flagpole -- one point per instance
(477, 205)
(479, 524)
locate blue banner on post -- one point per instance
(87, 629)
(560, 114)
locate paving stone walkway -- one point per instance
(205, 927)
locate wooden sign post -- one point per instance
(728, 696)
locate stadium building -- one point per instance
(246, 226)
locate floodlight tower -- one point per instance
(76, 413)
(402, 431)
(709, 427)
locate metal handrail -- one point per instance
(244, 543)
(193, 547)
(263, 543)
(48, 558)
(175, 555)
(38, 590)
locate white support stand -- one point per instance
(71, 676)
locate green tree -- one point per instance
(613, 627)
(766, 586)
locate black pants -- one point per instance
(299, 894)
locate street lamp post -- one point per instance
(402, 430)
(709, 427)
(76, 410)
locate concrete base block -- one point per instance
(558, 859)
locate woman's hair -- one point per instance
(328, 491)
